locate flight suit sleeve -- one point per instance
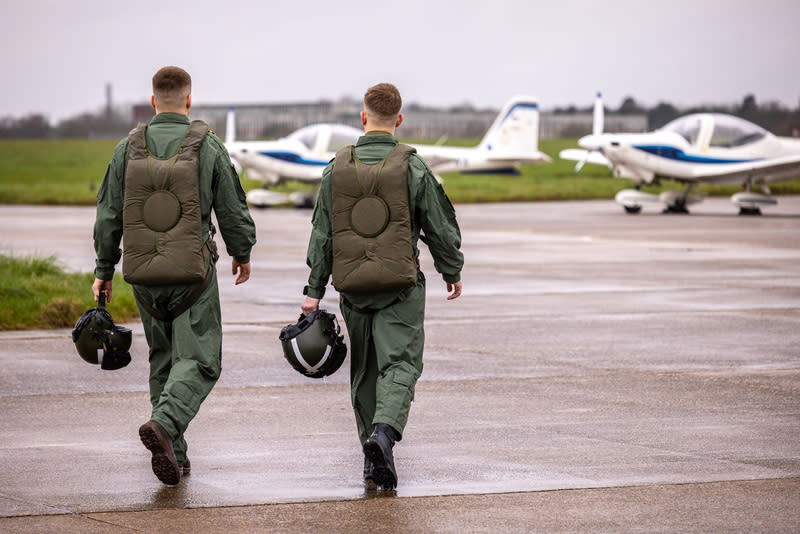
(230, 206)
(320, 249)
(108, 221)
(439, 228)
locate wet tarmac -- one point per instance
(601, 372)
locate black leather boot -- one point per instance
(378, 450)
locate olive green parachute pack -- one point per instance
(371, 223)
(162, 219)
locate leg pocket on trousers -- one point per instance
(404, 379)
(184, 394)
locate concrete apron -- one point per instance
(590, 350)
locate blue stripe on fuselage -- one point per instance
(669, 152)
(520, 105)
(291, 157)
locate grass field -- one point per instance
(52, 172)
(70, 171)
(38, 293)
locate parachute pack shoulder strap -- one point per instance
(194, 138)
(345, 153)
(137, 143)
(405, 150)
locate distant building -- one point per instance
(265, 121)
(570, 125)
(257, 121)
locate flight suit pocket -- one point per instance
(185, 395)
(403, 382)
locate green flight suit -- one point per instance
(185, 353)
(387, 335)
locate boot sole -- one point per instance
(165, 468)
(382, 474)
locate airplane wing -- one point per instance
(272, 170)
(578, 154)
(446, 159)
(764, 170)
(435, 161)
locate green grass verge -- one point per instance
(70, 171)
(52, 171)
(38, 293)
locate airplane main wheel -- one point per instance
(633, 210)
(676, 209)
(749, 211)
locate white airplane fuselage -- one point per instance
(700, 148)
(512, 140)
(644, 157)
(301, 156)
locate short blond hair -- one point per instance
(171, 86)
(383, 101)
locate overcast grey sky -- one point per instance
(58, 55)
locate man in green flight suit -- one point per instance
(157, 194)
(376, 200)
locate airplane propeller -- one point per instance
(593, 143)
(597, 117)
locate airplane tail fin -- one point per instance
(230, 127)
(514, 134)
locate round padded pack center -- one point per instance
(369, 216)
(161, 211)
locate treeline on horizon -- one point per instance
(110, 124)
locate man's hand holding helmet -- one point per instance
(102, 285)
(310, 305)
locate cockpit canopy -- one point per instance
(728, 131)
(687, 127)
(337, 136)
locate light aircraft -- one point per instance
(512, 140)
(712, 148)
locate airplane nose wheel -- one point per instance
(676, 208)
(633, 210)
(678, 204)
